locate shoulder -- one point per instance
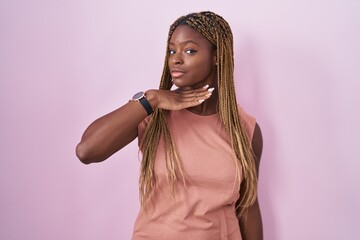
(254, 132)
(248, 121)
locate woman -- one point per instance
(200, 150)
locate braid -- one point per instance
(214, 28)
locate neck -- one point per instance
(208, 107)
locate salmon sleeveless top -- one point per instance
(205, 210)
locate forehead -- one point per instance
(184, 33)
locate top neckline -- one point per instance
(198, 115)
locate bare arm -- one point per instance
(251, 224)
(115, 130)
(110, 133)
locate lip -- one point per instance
(177, 72)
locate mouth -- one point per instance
(176, 73)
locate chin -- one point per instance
(178, 83)
(181, 84)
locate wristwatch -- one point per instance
(141, 98)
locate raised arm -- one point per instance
(110, 133)
(115, 130)
(251, 224)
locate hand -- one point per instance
(179, 98)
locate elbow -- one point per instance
(82, 153)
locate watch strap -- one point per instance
(145, 103)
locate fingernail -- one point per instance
(208, 95)
(200, 101)
(206, 86)
(211, 89)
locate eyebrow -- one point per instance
(185, 42)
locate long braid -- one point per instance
(214, 28)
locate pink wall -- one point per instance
(65, 63)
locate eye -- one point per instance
(171, 52)
(190, 51)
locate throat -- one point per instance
(208, 107)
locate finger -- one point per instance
(197, 94)
(191, 102)
(197, 99)
(198, 90)
(196, 102)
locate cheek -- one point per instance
(204, 66)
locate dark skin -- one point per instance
(192, 64)
(251, 224)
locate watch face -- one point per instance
(138, 95)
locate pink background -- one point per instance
(65, 63)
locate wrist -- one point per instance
(152, 98)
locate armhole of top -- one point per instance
(248, 121)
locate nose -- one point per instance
(177, 59)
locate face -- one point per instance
(192, 59)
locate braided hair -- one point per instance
(215, 29)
